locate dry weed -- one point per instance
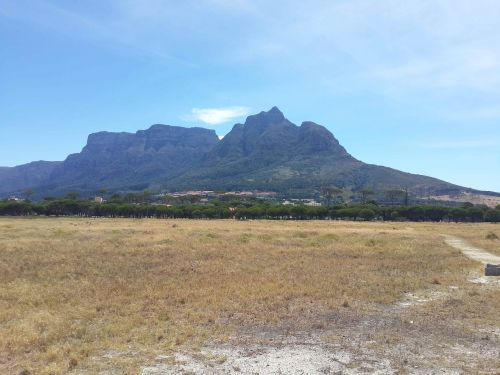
(74, 292)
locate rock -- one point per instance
(492, 270)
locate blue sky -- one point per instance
(414, 84)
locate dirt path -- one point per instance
(387, 343)
(472, 252)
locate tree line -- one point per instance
(70, 206)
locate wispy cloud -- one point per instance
(467, 68)
(215, 116)
(473, 114)
(435, 50)
(448, 43)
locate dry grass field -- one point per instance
(120, 296)
(485, 236)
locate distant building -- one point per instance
(305, 202)
(311, 202)
(265, 194)
(99, 200)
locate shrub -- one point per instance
(491, 236)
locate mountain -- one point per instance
(123, 161)
(25, 176)
(267, 152)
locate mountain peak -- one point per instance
(273, 116)
(275, 110)
(267, 152)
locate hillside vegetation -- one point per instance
(266, 153)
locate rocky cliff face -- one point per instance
(25, 176)
(271, 137)
(129, 161)
(267, 152)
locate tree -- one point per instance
(394, 194)
(366, 214)
(146, 196)
(331, 192)
(493, 215)
(72, 195)
(116, 198)
(102, 191)
(327, 195)
(475, 214)
(365, 193)
(169, 199)
(28, 193)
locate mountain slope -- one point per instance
(268, 152)
(118, 160)
(127, 161)
(26, 175)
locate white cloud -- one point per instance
(215, 116)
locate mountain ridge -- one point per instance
(266, 152)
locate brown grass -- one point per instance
(488, 200)
(74, 292)
(480, 235)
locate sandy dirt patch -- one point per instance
(305, 358)
(396, 341)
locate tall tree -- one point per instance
(365, 193)
(72, 195)
(28, 193)
(102, 191)
(331, 192)
(394, 195)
